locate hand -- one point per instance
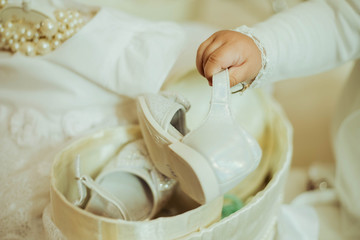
(229, 49)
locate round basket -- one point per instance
(262, 190)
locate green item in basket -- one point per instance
(231, 204)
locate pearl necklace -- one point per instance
(29, 38)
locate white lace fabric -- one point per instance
(29, 140)
(261, 78)
(24, 188)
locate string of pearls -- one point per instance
(39, 39)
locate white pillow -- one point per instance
(122, 53)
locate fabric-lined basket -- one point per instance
(256, 220)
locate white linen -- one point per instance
(128, 55)
(297, 222)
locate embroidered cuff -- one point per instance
(264, 71)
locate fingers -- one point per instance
(222, 58)
(232, 50)
(209, 51)
(200, 53)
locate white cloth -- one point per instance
(84, 85)
(297, 222)
(313, 37)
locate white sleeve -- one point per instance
(310, 38)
